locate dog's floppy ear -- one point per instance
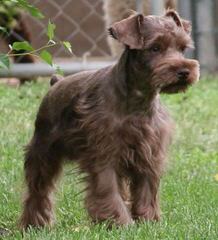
(128, 31)
(186, 25)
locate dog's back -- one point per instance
(63, 90)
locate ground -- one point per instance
(189, 195)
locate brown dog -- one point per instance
(111, 123)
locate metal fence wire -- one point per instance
(79, 22)
(83, 24)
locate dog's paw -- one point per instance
(35, 220)
(147, 214)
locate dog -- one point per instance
(112, 124)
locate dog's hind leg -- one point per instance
(42, 166)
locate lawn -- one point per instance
(189, 189)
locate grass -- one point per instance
(189, 190)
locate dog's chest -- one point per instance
(144, 140)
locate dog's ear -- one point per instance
(128, 31)
(186, 25)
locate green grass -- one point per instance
(189, 191)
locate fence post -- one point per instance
(139, 6)
(185, 10)
(206, 35)
(216, 28)
(157, 7)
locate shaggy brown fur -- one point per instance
(112, 124)
(115, 11)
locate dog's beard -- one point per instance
(169, 83)
(176, 87)
(167, 79)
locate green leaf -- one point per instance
(35, 12)
(22, 46)
(50, 30)
(3, 30)
(4, 61)
(46, 56)
(68, 46)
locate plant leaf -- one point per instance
(46, 56)
(3, 30)
(50, 30)
(4, 61)
(35, 12)
(22, 46)
(68, 46)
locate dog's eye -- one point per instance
(155, 48)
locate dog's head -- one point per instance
(159, 43)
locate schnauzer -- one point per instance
(112, 124)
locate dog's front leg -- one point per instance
(144, 192)
(103, 200)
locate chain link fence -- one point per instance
(82, 23)
(79, 22)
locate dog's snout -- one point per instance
(183, 74)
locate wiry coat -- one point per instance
(111, 123)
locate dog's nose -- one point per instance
(183, 74)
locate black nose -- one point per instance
(183, 74)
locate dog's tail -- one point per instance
(55, 79)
